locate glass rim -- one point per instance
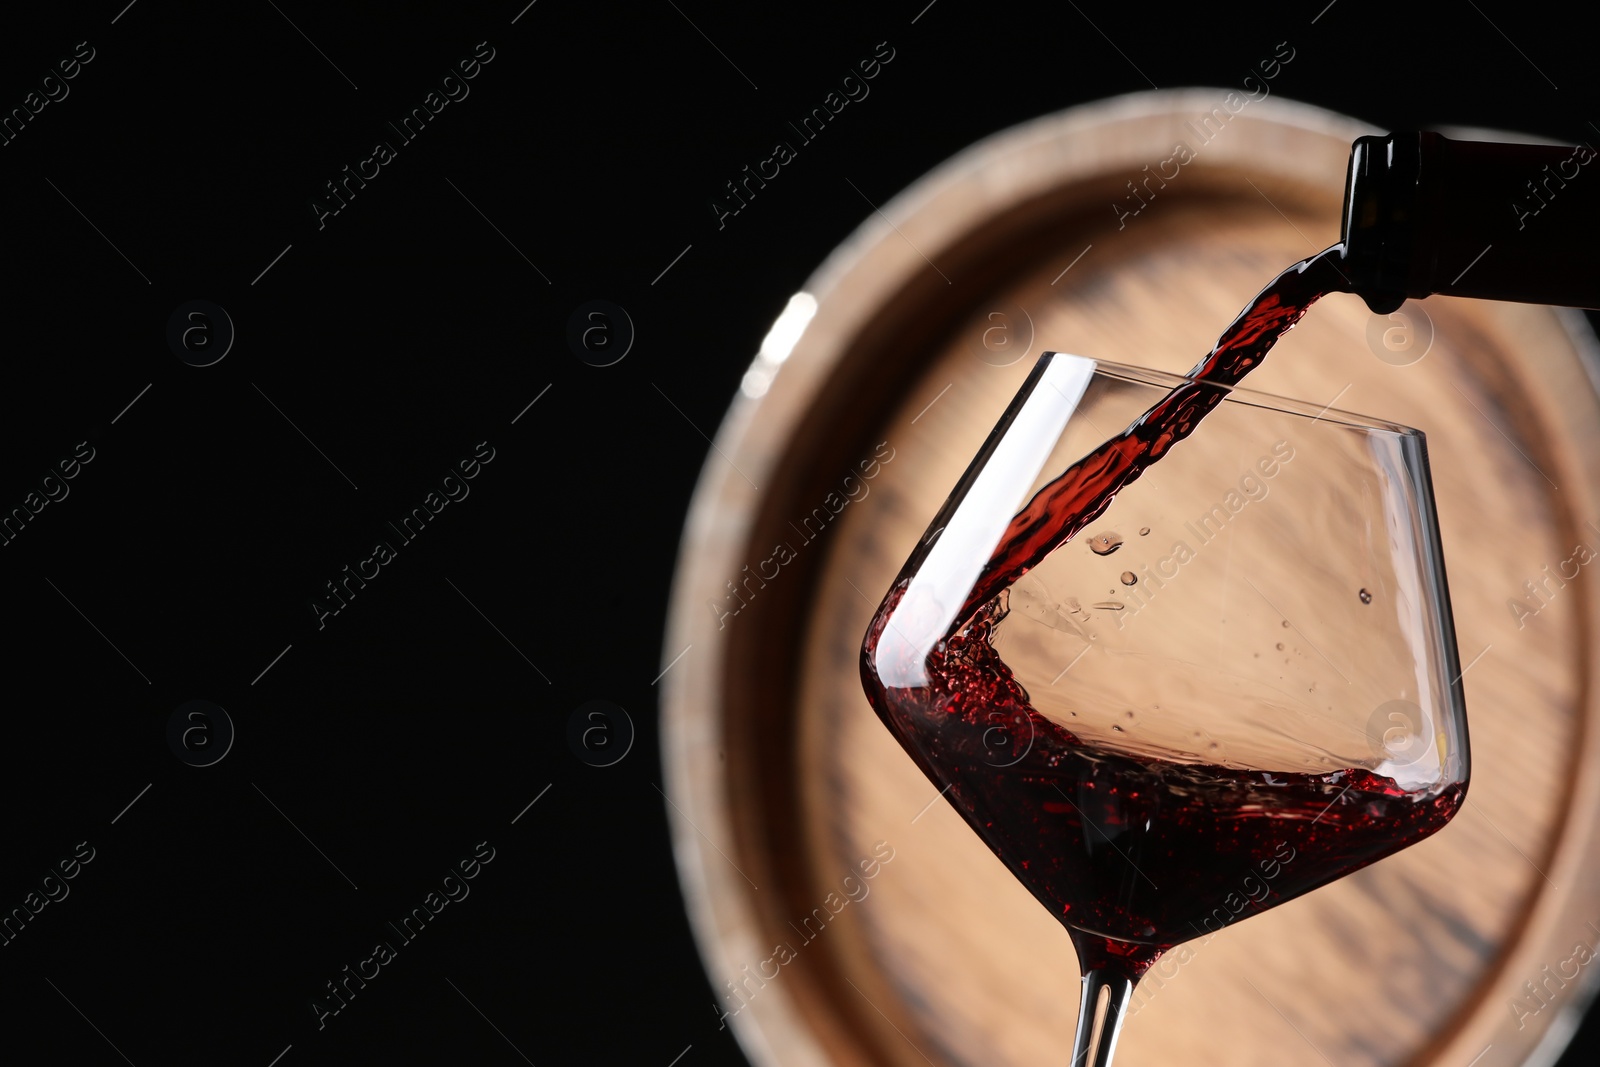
(1240, 395)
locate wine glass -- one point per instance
(1170, 695)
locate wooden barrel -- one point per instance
(845, 913)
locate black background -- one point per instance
(375, 353)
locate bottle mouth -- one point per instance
(1380, 205)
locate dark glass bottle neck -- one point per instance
(1380, 204)
(1425, 214)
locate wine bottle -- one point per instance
(1426, 214)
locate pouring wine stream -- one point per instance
(1082, 493)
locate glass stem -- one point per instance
(1106, 993)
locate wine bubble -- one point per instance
(1129, 578)
(1103, 544)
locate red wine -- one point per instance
(1133, 854)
